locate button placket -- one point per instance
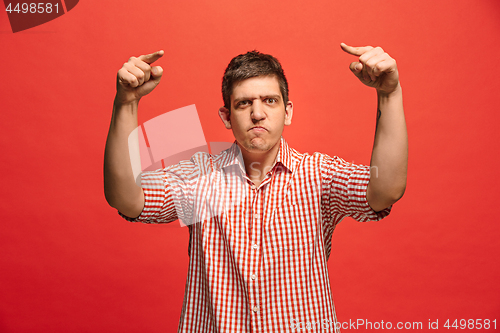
(255, 241)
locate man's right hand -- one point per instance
(138, 78)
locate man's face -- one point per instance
(258, 114)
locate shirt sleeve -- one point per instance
(344, 191)
(167, 194)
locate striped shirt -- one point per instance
(258, 255)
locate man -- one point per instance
(266, 213)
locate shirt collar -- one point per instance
(233, 156)
(285, 156)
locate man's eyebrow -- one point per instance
(272, 96)
(245, 98)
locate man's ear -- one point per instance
(224, 115)
(288, 113)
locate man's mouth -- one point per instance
(258, 129)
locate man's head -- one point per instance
(256, 105)
(248, 65)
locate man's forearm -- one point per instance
(135, 79)
(389, 162)
(120, 188)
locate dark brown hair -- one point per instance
(248, 65)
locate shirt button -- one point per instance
(253, 277)
(255, 246)
(253, 187)
(256, 309)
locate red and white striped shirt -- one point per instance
(258, 255)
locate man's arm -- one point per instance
(135, 79)
(389, 162)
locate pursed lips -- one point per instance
(258, 129)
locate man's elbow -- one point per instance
(397, 193)
(111, 197)
(129, 205)
(380, 200)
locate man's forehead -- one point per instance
(267, 85)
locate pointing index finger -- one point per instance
(152, 57)
(357, 51)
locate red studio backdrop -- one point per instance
(69, 263)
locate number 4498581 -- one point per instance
(33, 8)
(471, 324)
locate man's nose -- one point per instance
(258, 112)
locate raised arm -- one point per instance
(135, 79)
(389, 161)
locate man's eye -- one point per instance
(271, 100)
(243, 103)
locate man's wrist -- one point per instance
(119, 105)
(397, 92)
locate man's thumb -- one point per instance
(157, 71)
(356, 67)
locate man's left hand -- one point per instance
(375, 68)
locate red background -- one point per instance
(69, 263)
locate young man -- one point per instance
(266, 213)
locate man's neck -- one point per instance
(258, 164)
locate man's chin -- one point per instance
(259, 145)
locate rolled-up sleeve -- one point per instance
(167, 194)
(344, 190)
